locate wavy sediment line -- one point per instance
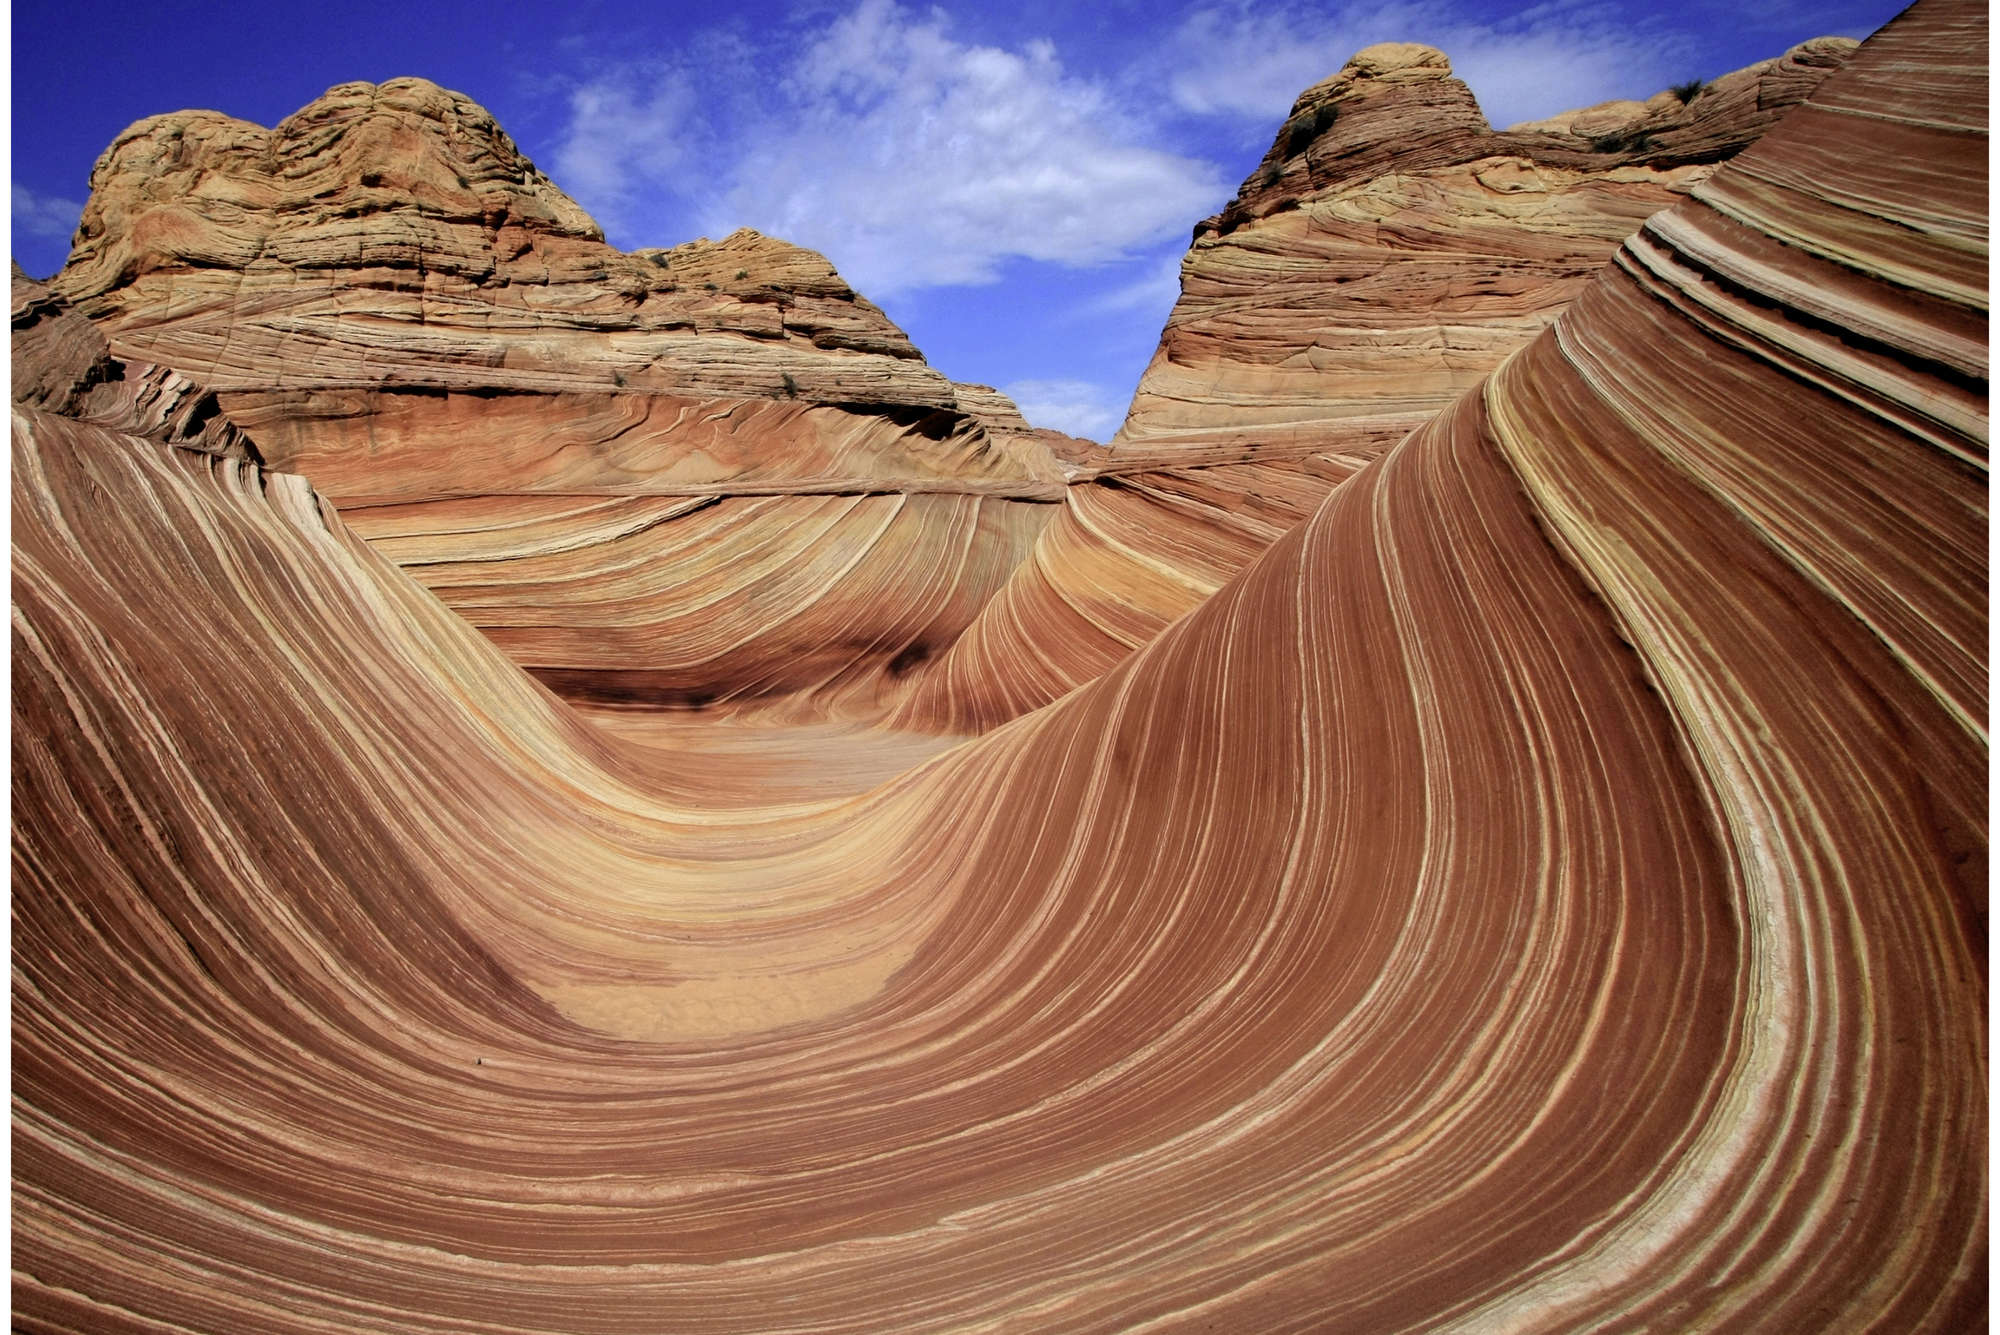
(802, 606)
(1122, 560)
(1085, 974)
(1390, 251)
(1543, 891)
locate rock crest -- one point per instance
(390, 238)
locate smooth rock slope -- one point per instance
(1545, 890)
(1390, 250)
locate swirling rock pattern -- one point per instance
(1385, 256)
(1124, 558)
(1544, 890)
(814, 604)
(384, 295)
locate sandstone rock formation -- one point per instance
(62, 364)
(385, 296)
(1391, 248)
(389, 242)
(455, 367)
(796, 604)
(1388, 252)
(1543, 891)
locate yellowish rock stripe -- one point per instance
(1543, 891)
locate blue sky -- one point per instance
(1014, 185)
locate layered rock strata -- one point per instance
(485, 375)
(803, 605)
(62, 364)
(1390, 250)
(1124, 558)
(1543, 891)
(384, 295)
(390, 242)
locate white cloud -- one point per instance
(1249, 63)
(623, 129)
(1151, 292)
(914, 160)
(1077, 407)
(910, 158)
(1526, 76)
(44, 215)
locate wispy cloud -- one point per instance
(915, 158)
(911, 158)
(920, 161)
(918, 156)
(1077, 407)
(624, 129)
(45, 216)
(1249, 61)
(1151, 291)
(1539, 72)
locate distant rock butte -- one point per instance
(1391, 248)
(388, 246)
(383, 294)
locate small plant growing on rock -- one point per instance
(1626, 142)
(711, 287)
(1302, 130)
(791, 385)
(1689, 91)
(742, 274)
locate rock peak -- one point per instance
(1397, 106)
(1373, 69)
(471, 134)
(1408, 59)
(202, 189)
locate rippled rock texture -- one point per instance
(384, 295)
(1390, 250)
(1545, 890)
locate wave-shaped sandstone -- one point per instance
(383, 294)
(1543, 890)
(1389, 251)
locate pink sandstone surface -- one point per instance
(1390, 250)
(1543, 889)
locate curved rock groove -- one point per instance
(1388, 253)
(1545, 890)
